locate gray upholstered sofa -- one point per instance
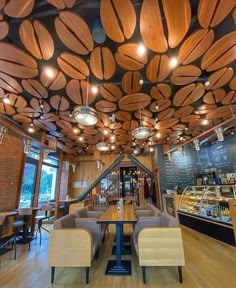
(148, 210)
(163, 220)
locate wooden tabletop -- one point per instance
(3, 215)
(112, 215)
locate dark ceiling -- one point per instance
(172, 102)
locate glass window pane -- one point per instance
(27, 188)
(48, 183)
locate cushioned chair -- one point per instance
(72, 245)
(160, 246)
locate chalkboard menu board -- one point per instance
(221, 155)
(179, 169)
(186, 165)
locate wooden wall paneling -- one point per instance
(57, 208)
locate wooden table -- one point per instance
(113, 216)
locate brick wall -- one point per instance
(64, 182)
(11, 155)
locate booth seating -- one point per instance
(73, 244)
(88, 217)
(158, 242)
(148, 210)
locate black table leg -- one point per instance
(118, 266)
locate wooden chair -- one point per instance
(71, 247)
(160, 246)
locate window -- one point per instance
(48, 182)
(28, 184)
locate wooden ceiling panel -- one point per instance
(123, 116)
(4, 29)
(167, 113)
(73, 66)
(110, 92)
(213, 12)
(195, 46)
(167, 123)
(19, 9)
(185, 74)
(35, 88)
(74, 32)
(134, 102)
(229, 99)
(118, 19)
(128, 58)
(135, 82)
(221, 53)
(178, 19)
(183, 111)
(102, 63)
(36, 39)
(16, 62)
(188, 94)
(158, 68)
(161, 91)
(131, 82)
(220, 78)
(61, 4)
(151, 26)
(10, 84)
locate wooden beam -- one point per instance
(205, 133)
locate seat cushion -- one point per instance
(67, 221)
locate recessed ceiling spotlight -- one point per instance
(196, 112)
(156, 119)
(186, 128)
(156, 107)
(135, 152)
(141, 49)
(49, 72)
(167, 138)
(41, 117)
(31, 130)
(75, 130)
(181, 138)
(6, 99)
(31, 124)
(105, 132)
(113, 147)
(113, 138)
(158, 135)
(81, 138)
(94, 89)
(207, 83)
(205, 122)
(173, 62)
(151, 149)
(141, 81)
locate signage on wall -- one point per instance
(80, 184)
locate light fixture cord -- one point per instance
(87, 91)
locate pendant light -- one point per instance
(85, 115)
(141, 132)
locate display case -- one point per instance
(206, 209)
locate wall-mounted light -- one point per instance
(219, 134)
(3, 130)
(27, 145)
(45, 153)
(196, 144)
(73, 168)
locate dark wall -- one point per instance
(185, 164)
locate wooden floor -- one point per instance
(209, 264)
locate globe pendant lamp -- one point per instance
(141, 132)
(85, 115)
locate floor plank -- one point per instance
(209, 264)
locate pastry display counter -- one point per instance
(206, 209)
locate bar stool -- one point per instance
(47, 208)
